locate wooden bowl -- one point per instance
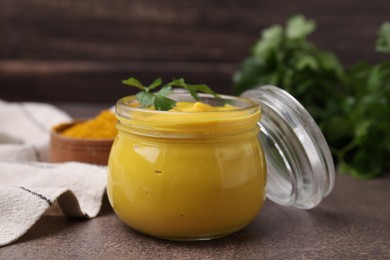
(65, 149)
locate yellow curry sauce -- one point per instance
(195, 172)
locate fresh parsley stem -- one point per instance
(160, 99)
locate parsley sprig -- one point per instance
(350, 104)
(160, 99)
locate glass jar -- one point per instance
(202, 175)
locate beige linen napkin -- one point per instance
(25, 129)
(29, 186)
(29, 189)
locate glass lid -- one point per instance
(300, 169)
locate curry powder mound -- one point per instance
(100, 127)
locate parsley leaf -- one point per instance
(163, 103)
(160, 99)
(298, 27)
(157, 82)
(133, 82)
(146, 99)
(383, 42)
(193, 89)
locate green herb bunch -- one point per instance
(160, 100)
(351, 105)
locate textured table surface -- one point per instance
(353, 222)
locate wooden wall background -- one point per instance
(79, 50)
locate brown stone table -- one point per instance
(353, 222)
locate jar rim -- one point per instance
(123, 104)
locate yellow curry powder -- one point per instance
(100, 127)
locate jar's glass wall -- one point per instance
(187, 176)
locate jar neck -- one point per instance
(184, 124)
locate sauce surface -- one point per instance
(200, 107)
